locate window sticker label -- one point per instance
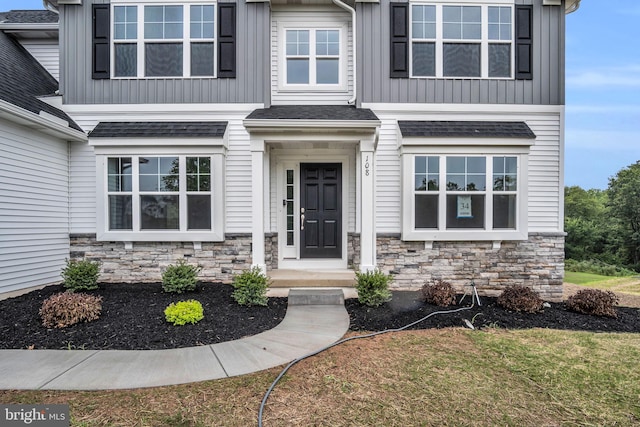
(464, 207)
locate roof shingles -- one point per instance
(312, 112)
(465, 129)
(158, 129)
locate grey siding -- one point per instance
(375, 85)
(250, 86)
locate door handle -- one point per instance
(301, 218)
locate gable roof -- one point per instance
(158, 129)
(29, 17)
(23, 80)
(465, 129)
(312, 112)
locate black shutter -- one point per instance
(100, 65)
(524, 42)
(227, 40)
(399, 40)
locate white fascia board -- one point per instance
(551, 2)
(13, 27)
(506, 109)
(466, 141)
(75, 2)
(176, 110)
(40, 123)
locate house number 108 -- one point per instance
(366, 166)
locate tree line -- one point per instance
(604, 225)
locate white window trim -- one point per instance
(283, 86)
(140, 40)
(105, 148)
(442, 149)
(483, 41)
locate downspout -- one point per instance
(348, 8)
(49, 5)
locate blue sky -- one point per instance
(602, 91)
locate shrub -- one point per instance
(373, 287)
(520, 298)
(439, 293)
(180, 277)
(184, 312)
(67, 308)
(81, 275)
(594, 302)
(251, 287)
(597, 267)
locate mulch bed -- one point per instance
(133, 318)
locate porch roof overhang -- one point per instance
(465, 129)
(312, 118)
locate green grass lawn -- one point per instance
(448, 377)
(629, 285)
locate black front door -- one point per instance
(321, 210)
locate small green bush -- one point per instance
(594, 302)
(439, 293)
(520, 298)
(184, 312)
(67, 308)
(597, 267)
(180, 277)
(373, 287)
(81, 275)
(251, 287)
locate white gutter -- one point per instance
(52, 126)
(348, 8)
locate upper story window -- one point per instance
(176, 40)
(461, 41)
(312, 58)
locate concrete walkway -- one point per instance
(313, 321)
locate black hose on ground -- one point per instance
(474, 297)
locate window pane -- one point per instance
(476, 165)
(504, 211)
(125, 22)
(461, 60)
(297, 42)
(120, 213)
(159, 212)
(499, 60)
(499, 23)
(465, 211)
(202, 59)
(456, 165)
(173, 31)
(426, 211)
(327, 71)
(461, 22)
(423, 22)
(163, 59)
(298, 71)
(126, 60)
(199, 212)
(424, 59)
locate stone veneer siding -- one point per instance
(537, 263)
(147, 260)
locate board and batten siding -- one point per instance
(46, 52)
(303, 17)
(250, 85)
(545, 182)
(34, 207)
(238, 160)
(375, 84)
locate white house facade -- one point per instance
(424, 138)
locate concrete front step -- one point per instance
(316, 297)
(312, 278)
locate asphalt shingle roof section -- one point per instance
(29, 17)
(23, 80)
(312, 112)
(465, 129)
(158, 129)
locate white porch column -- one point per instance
(367, 206)
(257, 204)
